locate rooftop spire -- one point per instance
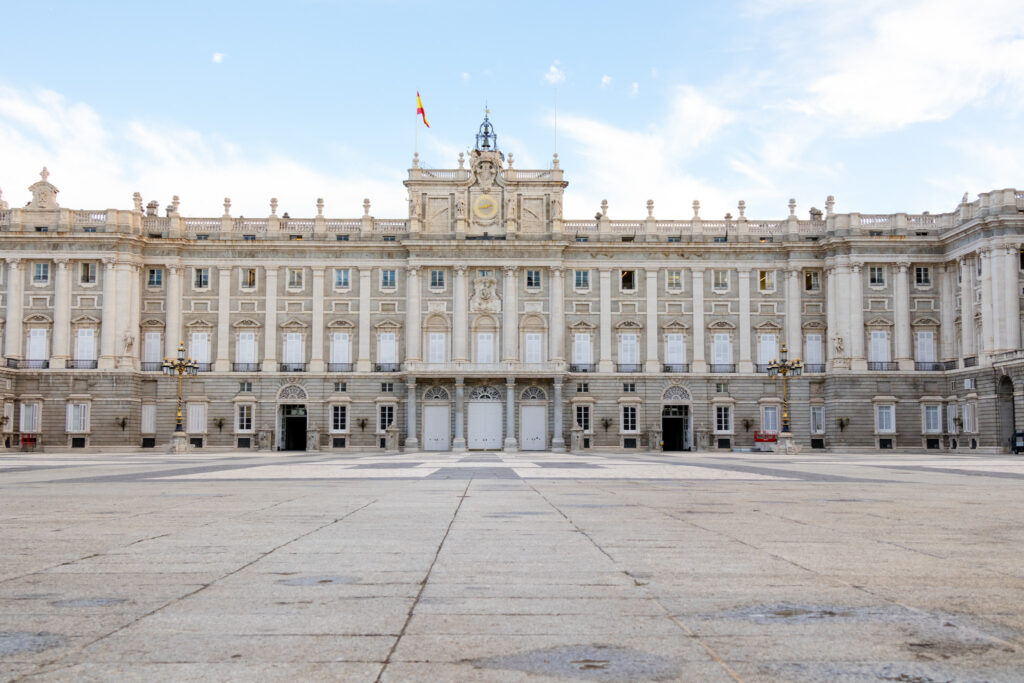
(486, 138)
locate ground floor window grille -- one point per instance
(723, 419)
(339, 418)
(583, 418)
(245, 417)
(817, 419)
(387, 416)
(629, 418)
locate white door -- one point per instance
(533, 433)
(436, 427)
(485, 425)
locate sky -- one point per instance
(888, 106)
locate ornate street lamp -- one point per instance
(182, 366)
(785, 368)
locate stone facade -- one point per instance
(484, 319)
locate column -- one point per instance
(987, 309)
(746, 363)
(699, 365)
(1011, 298)
(856, 280)
(510, 415)
(316, 357)
(652, 331)
(556, 324)
(605, 362)
(413, 317)
(135, 317)
(172, 323)
(830, 312)
(460, 331)
(842, 299)
(15, 306)
(61, 315)
(222, 363)
(794, 332)
(108, 324)
(967, 341)
(270, 323)
(557, 442)
(124, 307)
(947, 305)
(904, 353)
(510, 316)
(363, 359)
(459, 442)
(411, 442)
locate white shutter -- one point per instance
(153, 347)
(36, 344)
(627, 349)
(293, 347)
(581, 348)
(926, 347)
(770, 421)
(768, 348)
(29, 418)
(197, 418)
(437, 347)
(246, 351)
(485, 347)
(879, 346)
(388, 352)
(533, 347)
(340, 348)
(675, 352)
(812, 350)
(86, 345)
(200, 347)
(723, 349)
(77, 418)
(148, 419)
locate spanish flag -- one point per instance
(419, 109)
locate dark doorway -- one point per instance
(1004, 391)
(293, 423)
(674, 426)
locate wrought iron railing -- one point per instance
(291, 367)
(675, 367)
(722, 367)
(582, 367)
(883, 365)
(77, 364)
(386, 367)
(245, 367)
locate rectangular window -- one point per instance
(723, 349)
(156, 277)
(770, 419)
(41, 273)
(196, 418)
(86, 346)
(629, 387)
(387, 387)
(581, 348)
(386, 415)
(876, 276)
(628, 351)
(387, 348)
(202, 278)
(813, 350)
(202, 237)
(879, 346)
(674, 279)
(969, 383)
(244, 417)
(583, 418)
(533, 279)
(817, 419)
(932, 419)
(199, 347)
(78, 418)
(675, 349)
(485, 347)
(29, 423)
(293, 347)
(295, 278)
(437, 279)
(152, 347)
(583, 388)
(582, 279)
(339, 418)
(922, 276)
(721, 387)
(969, 418)
(812, 280)
(248, 276)
(148, 419)
(437, 347)
(721, 280)
(341, 278)
(768, 348)
(249, 238)
(387, 279)
(629, 418)
(723, 419)
(884, 419)
(926, 347)
(951, 418)
(340, 348)
(245, 387)
(340, 386)
(37, 344)
(87, 273)
(766, 280)
(246, 351)
(627, 280)
(534, 347)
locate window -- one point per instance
(813, 350)
(78, 418)
(723, 349)
(629, 387)
(768, 348)
(437, 347)
(582, 279)
(341, 238)
(37, 344)
(42, 228)
(723, 419)
(152, 349)
(628, 350)
(248, 276)
(533, 279)
(812, 280)
(245, 352)
(196, 418)
(721, 280)
(675, 349)
(387, 348)
(339, 418)
(437, 279)
(969, 418)
(295, 278)
(148, 419)
(86, 346)
(766, 280)
(583, 418)
(923, 276)
(244, 422)
(879, 346)
(340, 387)
(770, 419)
(629, 418)
(581, 348)
(721, 387)
(926, 347)
(388, 238)
(41, 273)
(156, 277)
(87, 273)
(627, 280)
(202, 278)
(293, 347)
(248, 238)
(295, 238)
(385, 416)
(484, 273)
(969, 383)
(583, 388)
(202, 237)
(199, 347)
(817, 419)
(876, 276)
(29, 418)
(884, 422)
(341, 278)
(485, 347)
(387, 387)
(245, 387)
(534, 347)
(387, 279)
(582, 239)
(674, 238)
(674, 279)
(932, 419)
(951, 418)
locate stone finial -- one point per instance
(44, 194)
(137, 200)
(830, 205)
(175, 202)
(462, 160)
(320, 207)
(696, 208)
(366, 207)
(227, 207)
(742, 206)
(415, 159)
(728, 217)
(45, 175)
(792, 207)
(511, 159)
(273, 206)
(3, 204)
(650, 208)
(604, 207)
(554, 160)
(152, 208)
(962, 201)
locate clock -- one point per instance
(485, 207)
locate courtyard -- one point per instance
(511, 566)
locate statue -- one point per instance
(485, 298)
(838, 343)
(556, 209)
(416, 208)
(460, 208)
(510, 210)
(127, 341)
(485, 174)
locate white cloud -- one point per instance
(555, 74)
(654, 72)
(634, 89)
(465, 77)
(606, 80)
(218, 57)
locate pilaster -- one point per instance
(15, 309)
(556, 328)
(413, 316)
(61, 315)
(412, 443)
(605, 284)
(316, 359)
(510, 315)
(460, 340)
(904, 352)
(858, 361)
(699, 364)
(746, 363)
(108, 324)
(363, 363)
(172, 329)
(510, 416)
(652, 333)
(222, 363)
(270, 322)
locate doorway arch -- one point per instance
(1007, 419)
(292, 418)
(676, 419)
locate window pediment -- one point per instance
(629, 325)
(582, 326)
(246, 323)
(878, 322)
(199, 323)
(340, 323)
(293, 324)
(38, 319)
(925, 321)
(814, 325)
(769, 325)
(722, 325)
(152, 323)
(85, 320)
(675, 325)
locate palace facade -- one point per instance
(486, 320)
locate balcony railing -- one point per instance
(675, 367)
(291, 367)
(150, 365)
(82, 364)
(970, 361)
(27, 364)
(883, 365)
(761, 367)
(627, 367)
(722, 367)
(950, 364)
(582, 367)
(204, 367)
(814, 367)
(386, 367)
(339, 367)
(245, 367)
(929, 366)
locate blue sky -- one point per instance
(890, 106)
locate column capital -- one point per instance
(903, 266)
(699, 270)
(604, 269)
(62, 262)
(856, 266)
(412, 271)
(13, 262)
(317, 270)
(510, 382)
(558, 271)
(109, 262)
(460, 268)
(510, 269)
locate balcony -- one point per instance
(951, 365)
(339, 367)
(82, 364)
(929, 366)
(204, 367)
(245, 367)
(761, 367)
(386, 367)
(675, 367)
(722, 367)
(291, 367)
(883, 365)
(814, 367)
(27, 364)
(582, 367)
(150, 365)
(970, 361)
(628, 367)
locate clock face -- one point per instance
(485, 206)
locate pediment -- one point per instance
(340, 322)
(878, 322)
(582, 325)
(925, 321)
(768, 325)
(814, 325)
(200, 322)
(293, 323)
(246, 322)
(387, 324)
(629, 325)
(38, 319)
(722, 325)
(151, 322)
(675, 325)
(85, 320)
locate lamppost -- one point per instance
(785, 368)
(180, 366)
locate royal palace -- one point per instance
(486, 320)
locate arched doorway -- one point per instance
(485, 422)
(292, 420)
(1007, 423)
(676, 420)
(533, 419)
(437, 420)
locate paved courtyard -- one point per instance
(508, 567)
